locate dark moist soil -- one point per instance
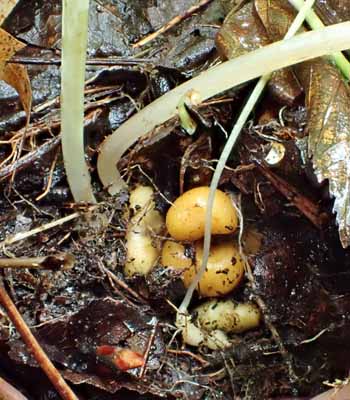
(300, 271)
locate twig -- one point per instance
(44, 362)
(49, 181)
(149, 345)
(24, 161)
(54, 262)
(172, 23)
(121, 283)
(25, 235)
(308, 208)
(8, 392)
(190, 354)
(92, 61)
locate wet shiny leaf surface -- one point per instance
(328, 102)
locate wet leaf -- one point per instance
(333, 11)
(14, 74)
(327, 100)
(245, 30)
(6, 6)
(328, 104)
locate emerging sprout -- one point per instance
(224, 268)
(185, 219)
(142, 252)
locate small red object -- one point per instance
(122, 358)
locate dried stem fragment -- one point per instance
(176, 20)
(44, 362)
(308, 208)
(54, 262)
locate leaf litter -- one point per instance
(13, 74)
(326, 94)
(78, 313)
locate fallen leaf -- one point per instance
(9, 46)
(328, 104)
(327, 99)
(6, 6)
(14, 74)
(244, 31)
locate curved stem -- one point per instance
(242, 119)
(212, 82)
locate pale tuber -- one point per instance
(142, 249)
(224, 269)
(185, 219)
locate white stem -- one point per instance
(212, 82)
(75, 19)
(242, 119)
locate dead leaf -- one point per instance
(276, 16)
(328, 104)
(244, 31)
(9, 46)
(14, 74)
(17, 77)
(6, 6)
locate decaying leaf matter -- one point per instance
(328, 104)
(6, 6)
(327, 99)
(14, 74)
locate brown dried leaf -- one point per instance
(17, 77)
(13, 74)
(276, 17)
(244, 31)
(6, 6)
(9, 46)
(328, 104)
(333, 11)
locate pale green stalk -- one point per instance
(211, 82)
(75, 19)
(242, 119)
(315, 23)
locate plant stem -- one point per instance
(74, 42)
(315, 23)
(212, 82)
(242, 119)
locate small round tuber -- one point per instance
(185, 219)
(224, 268)
(142, 252)
(227, 316)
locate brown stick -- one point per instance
(44, 362)
(29, 158)
(149, 346)
(122, 284)
(171, 23)
(8, 392)
(307, 207)
(92, 61)
(55, 262)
